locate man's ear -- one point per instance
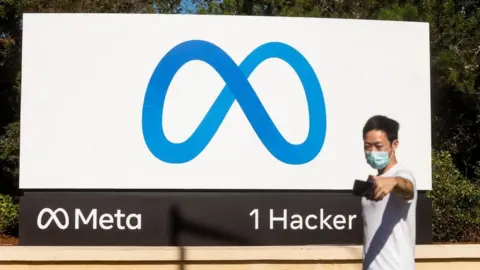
(395, 144)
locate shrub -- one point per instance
(8, 215)
(456, 202)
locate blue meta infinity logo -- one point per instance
(237, 88)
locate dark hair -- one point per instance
(383, 123)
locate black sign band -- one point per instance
(198, 218)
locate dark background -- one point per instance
(201, 218)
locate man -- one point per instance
(389, 210)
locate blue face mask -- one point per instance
(378, 160)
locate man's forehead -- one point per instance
(374, 136)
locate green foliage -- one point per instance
(456, 202)
(9, 158)
(8, 215)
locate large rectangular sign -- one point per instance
(198, 218)
(217, 102)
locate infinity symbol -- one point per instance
(237, 88)
(53, 217)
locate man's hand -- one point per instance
(385, 185)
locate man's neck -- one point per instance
(390, 165)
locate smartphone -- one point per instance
(362, 188)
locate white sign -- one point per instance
(217, 102)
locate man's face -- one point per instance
(377, 140)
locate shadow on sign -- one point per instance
(179, 224)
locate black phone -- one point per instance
(362, 188)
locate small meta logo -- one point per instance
(53, 216)
(61, 219)
(237, 88)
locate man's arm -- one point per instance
(403, 188)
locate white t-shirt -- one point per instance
(389, 229)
